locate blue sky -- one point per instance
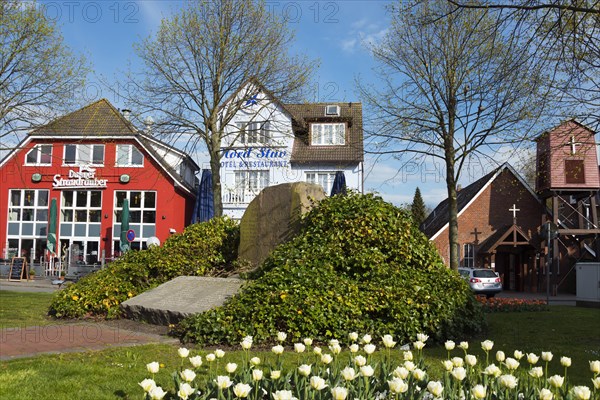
(333, 31)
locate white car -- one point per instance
(482, 280)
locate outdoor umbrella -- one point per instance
(124, 226)
(204, 208)
(51, 241)
(339, 184)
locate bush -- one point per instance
(358, 264)
(208, 248)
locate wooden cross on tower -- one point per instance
(573, 145)
(514, 210)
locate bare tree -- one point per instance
(454, 87)
(201, 58)
(39, 76)
(566, 40)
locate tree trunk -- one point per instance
(215, 168)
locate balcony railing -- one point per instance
(238, 197)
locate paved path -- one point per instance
(77, 337)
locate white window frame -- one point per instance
(328, 134)
(323, 178)
(130, 152)
(142, 209)
(79, 151)
(250, 182)
(260, 130)
(468, 255)
(38, 148)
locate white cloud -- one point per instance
(362, 33)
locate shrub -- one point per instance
(358, 264)
(208, 248)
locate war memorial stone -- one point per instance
(273, 217)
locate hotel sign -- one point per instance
(263, 157)
(84, 178)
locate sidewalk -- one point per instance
(74, 337)
(36, 285)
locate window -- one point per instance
(27, 222)
(80, 213)
(325, 179)
(469, 255)
(142, 217)
(328, 134)
(332, 110)
(87, 154)
(253, 133)
(41, 154)
(129, 156)
(251, 181)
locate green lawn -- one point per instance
(19, 309)
(114, 373)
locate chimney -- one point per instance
(126, 113)
(458, 187)
(148, 122)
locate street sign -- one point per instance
(130, 235)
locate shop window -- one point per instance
(80, 213)
(84, 154)
(41, 154)
(325, 179)
(27, 221)
(328, 134)
(142, 216)
(254, 133)
(129, 156)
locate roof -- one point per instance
(97, 118)
(508, 235)
(306, 113)
(102, 119)
(438, 218)
(565, 122)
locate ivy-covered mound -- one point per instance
(207, 248)
(358, 264)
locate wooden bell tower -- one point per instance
(568, 180)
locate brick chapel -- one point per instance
(502, 220)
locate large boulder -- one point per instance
(273, 217)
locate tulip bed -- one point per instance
(321, 373)
(497, 304)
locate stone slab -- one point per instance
(172, 301)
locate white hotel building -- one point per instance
(268, 143)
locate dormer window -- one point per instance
(328, 134)
(41, 154)
(332, 111)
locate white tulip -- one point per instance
(401, 372)
(185, 391)
(281, 336)
(487, 345)
(556, 380)
(183, 352)
(545, 394)
(196, 361)
(223, 382)
(353, 336)
(366, 339)
(231, 367)
(348, 373)
(500, 356)
(479, 391)
(471, 360)
(459, 373)
(299, 347)
(407, 356)
(369, 348)
(565, 362)
(435, 388)
(360, 361)
(219, 353)
(419, 374)
(242, 390)
(335, 348)
(596, 382)
(147, 385)
(492, 370)
(464, 345)
(511, 364)
(257, 374)
(255, 361)
(210, 357)
(508, 381)
(275, 375)
(304, 370)
(308, 341)
(582, 392)
(547, 356)
(409, 365)
(283, 395)
(187, 375)
(457, 361)
(354, 348)
(418, 345)
(326, 359)
(397, 385)
(339, 393)
(421, 337)
(536, 372)
(317, 350)
(157, 393)
(532, 358)
(388, 341)
(153, 367)
(367, 371)
(595, 367)
(518, 354)
(317, 383)
(449, 345)
(277, 349)
(448, 366)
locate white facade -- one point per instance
(257, 153)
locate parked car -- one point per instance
(482, 280)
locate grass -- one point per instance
(19, 309)
(115, 373)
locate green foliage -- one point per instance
(418, 208)
(207, 248)
(358, 264)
